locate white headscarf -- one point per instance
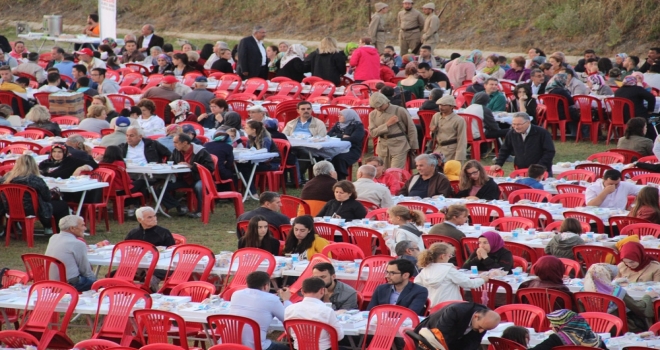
(295, 50)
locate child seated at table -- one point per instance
(534, 176)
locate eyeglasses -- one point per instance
(390, 273)
(473, 173)
(519, 124)
(414, 248)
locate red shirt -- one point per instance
(391, 182)
(187, 157)
(116, 184)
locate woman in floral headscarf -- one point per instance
(477, 57)
(599, 279)
(598, 85)
(570, 329)
(181, 112)
(637, 94)
(292, 64)
(477, 83)
(113, 44)
(557, 86)
(619, 58)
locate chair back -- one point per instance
(552, 104)
(524, 315)
(185, 260)
(130, 254)
(156, 327)
(328, 231)
(375, 267)
(506, 188)
(389, 319)
(577, 175)
(491, 289)
(571, 189)
(247, 260)
(603, 322)
(618, 107)
(586, 218)
(343, 251)
(307, 334)
(508, 224)
(607, 158)
(505, 344)
(531, 195)
(598, 169)
(43, 299)
(196, 290)
(40, 267)
(95, 344)
(600, 302)
(569, 200)
(116, 325)
(368, 240)
(423, 207)
(228, 329)
(641, 230)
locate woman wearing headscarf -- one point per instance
(610, 259)
(570, 329)
(550, 273)
(477, 57)
(557, 86)
(640, 80)
(181, 112)
(598, 85)
(637, 95)
(460, 69)
(60, 164)
(348, 128)
(477, 83)
(164, 64)
(452, 170)
(598, 279)
(636, 265)
(491, 254)
(350, 47)
(619, 58)
(292, 65)
(233, 121)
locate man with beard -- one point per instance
(341, 295)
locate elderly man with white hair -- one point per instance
(139, 149)
(428, 182)
(369, 190)
(319, 189)
(68, 248)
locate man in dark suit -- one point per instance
(252, 60)
(462, 325)
(399, 290)
(530, 143)
(149, 40)
(537, 82)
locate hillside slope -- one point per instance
(609, 26)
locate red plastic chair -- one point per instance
(629, 156)
(44, 297)
(197, 290)
(494, 173)
(540, 217)
(161, 106)
(132, 79)
(599, 302)
(481, 213)
(598, 169)
(118, 200)
(13, 195)
(120, 102)
(307, 334)
(469, 244)
(491, 287)
(522, 251)
(252, 85)
(423, 207)
(346, 100)
(17, 339)
(227, 293)
(569, 200)
(368, 240)
(12, 277)
(110, 282)
(571, 268)
(632, 172)
(330, 115)
(226, 81)
(318, 89)
(523, 315)
(370, 206)
(247, 261)
(389, 318)
(130, 90)
(93, 210)
(31, 133)
(440, 305)
(602, 322)
(289, 88)
(577, 175)
(645, 179)
(116, 325)
(157, 326)
(38, 267)
(520, 262)
(229, 347)
(42, 98)
(189, 257)
(240, 106)
(616, 106)
(606, 158)
(505, 344)
(561, 189)
(425, 117)
(508, 224)
(435, 218)
(532, 195)
(506, 188)
(9, 98)
(375, 267)
(159, 346)
(95, 344)
(585, 103)
(210, 194)
(328, 231)
(189, 78)
(83, 133)
(587, 218)
(228, 329)
(622, 221)
(31, 146)
(551, 102)
(429, 239)
(470, 120)
(343, 251)
(378, 214)
(590, 254)
(132, 252)
(641, 230)
(648, 159)
(5, 130)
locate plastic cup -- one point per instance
(474, 270)
(327, 218)
(477, 227)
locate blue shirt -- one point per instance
(65, 68)
(394, 296)
(303, 128)
(531, 183)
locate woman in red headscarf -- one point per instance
(636, 265)
(550, 273)
(490, 254)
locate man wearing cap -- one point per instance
(252, 60)
(377, 26)
(190, 131)
(430, 35)
(395, 130)
(449, 130)
(132, 54)
(87, 57)
(219, 46)
(32, 68)
(119, 135)
(257, 113)
(165, 90)
(200, 94)
(148, 39)
(410, 23)
(106, 86)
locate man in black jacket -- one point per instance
(139, 149)
(186, 153)
(252, 60)
(462, 325)
(531, 144)
(581, 65)
(149, 39)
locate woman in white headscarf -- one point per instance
(349, 128)
(181, 112)
(292, 65)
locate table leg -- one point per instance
(246, 183)
(4, 315)
(151, 189)
(162, 193)
(82, 200)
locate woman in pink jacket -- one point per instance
(365, 62)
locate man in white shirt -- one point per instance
(312, 308)
(256, 303)
(87, 57)
(106, 86)
(537, 82)
(610, 192)
(148, 39)
(219, 46)
(53, 83)
(369, 190)
(142, 150)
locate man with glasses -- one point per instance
(305, 125)
(106, 86)
(537, 82)
(531, 144)
(408, 250)
(258, 113)
(399, 290)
